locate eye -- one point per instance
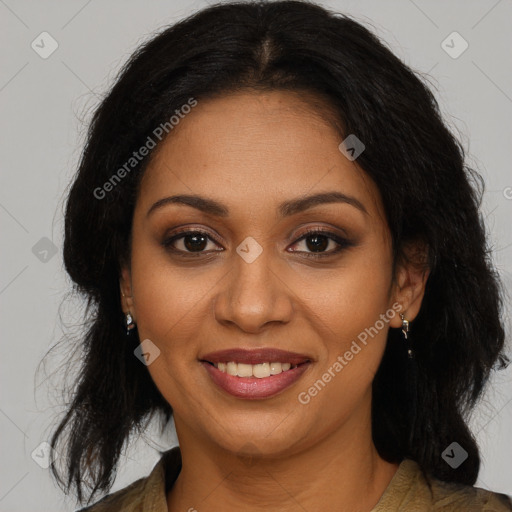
(191, 241)
(315, 243)
(319, 243)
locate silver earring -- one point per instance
(405, 332)
(411, 381)
(130, 324)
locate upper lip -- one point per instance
(255, 356)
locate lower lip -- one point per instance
(252, 388)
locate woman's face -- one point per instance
(251, 281)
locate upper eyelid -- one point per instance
(309, 231)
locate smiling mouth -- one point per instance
(260, 371)
(255, 381)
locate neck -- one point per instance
(342, 468)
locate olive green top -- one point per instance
(409, 491)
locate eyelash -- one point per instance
(343, 243)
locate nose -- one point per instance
(254, 295)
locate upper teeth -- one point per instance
(253, 370)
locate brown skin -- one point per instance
(252, 151)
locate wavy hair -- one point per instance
(428, 192)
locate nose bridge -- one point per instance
(253, 295)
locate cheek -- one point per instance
(352, 297)
(169, 314)
(169, 310)
(349, 311)
(167, 299)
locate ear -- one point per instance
(125, 284)
(410, 281)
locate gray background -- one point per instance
(46, 104)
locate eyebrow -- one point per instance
(285, 209)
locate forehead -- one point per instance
(255, 148)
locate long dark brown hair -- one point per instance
(427, 190)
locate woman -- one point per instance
(281, 248)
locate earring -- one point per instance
(129, 323)
(405, 332)
(411, 380)
(128, 319)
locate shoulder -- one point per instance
(128, 499)
(454, 497)
(148, 493)
(448, 497)
(411, 488)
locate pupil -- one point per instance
(319, 243)
(195, 242)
